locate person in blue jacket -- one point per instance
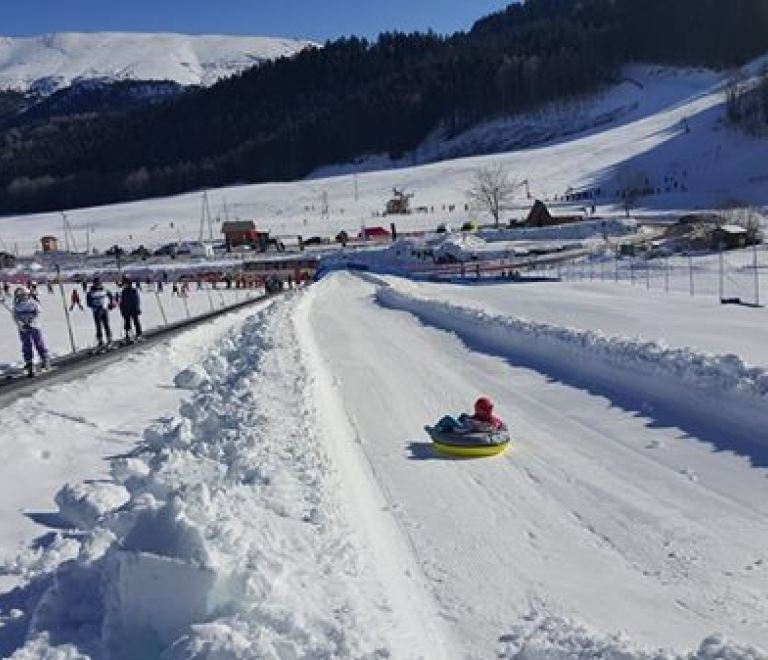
(100, 301)
(130, 308)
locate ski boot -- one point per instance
(29, 367)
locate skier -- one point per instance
(130, 308)
(26, 311)
(482, 421)
(100, 301)
(75, 300)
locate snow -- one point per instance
(49, 62)
(262, 486)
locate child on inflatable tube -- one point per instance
(482, 421)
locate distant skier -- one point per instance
(482, 421)
(130, 308)
(74, 300)
(26, 311)
(100, 301)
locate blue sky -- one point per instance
(311, 19)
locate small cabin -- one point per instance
(540, 216)
(7, 260)
(399, 203)
(240, 232)
(374, 233)
(729, 237)
(50, 243)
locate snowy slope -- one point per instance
(289, 500)
(49, 62)
(702, 168)
(274, 475)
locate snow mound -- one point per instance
(550, 638)
(597, 227)
(191, 378)
(219, 537)
(82, 505)
(710, 385)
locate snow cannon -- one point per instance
(472, 444)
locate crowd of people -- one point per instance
(100, 300)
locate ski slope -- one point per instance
(712, 164)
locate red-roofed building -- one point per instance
(374, 232)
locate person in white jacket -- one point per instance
(26, 313)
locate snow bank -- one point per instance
(550, 638)
(81, 505)
(221, 537)
(595, 228)
(719, 388)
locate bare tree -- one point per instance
(632, 185)
(492, 190)
(750, 219)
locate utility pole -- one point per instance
(205, 216)
(68, 234)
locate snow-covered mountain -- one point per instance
(47, 63)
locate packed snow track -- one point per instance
(595, 515)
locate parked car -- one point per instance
(141, 251)
(167, 250)
(317, 240)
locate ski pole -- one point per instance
(66, 309)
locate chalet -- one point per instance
(50, 243)
(539, 216)
(7, 260)
(729, 237)
(240, 232)
(399, 203)
(374, 233)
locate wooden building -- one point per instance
(539, 216)
(7, 260)
(240, 232)
(50, 243)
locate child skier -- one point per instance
(130, 308)
(75, 300)
(482, 421)
(100, 301)
(26, 311)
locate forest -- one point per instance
(353, 97)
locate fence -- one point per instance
(732, 276)
(69, 327)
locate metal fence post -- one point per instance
(690, 271)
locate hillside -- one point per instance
(706, 167)
(353, 98)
